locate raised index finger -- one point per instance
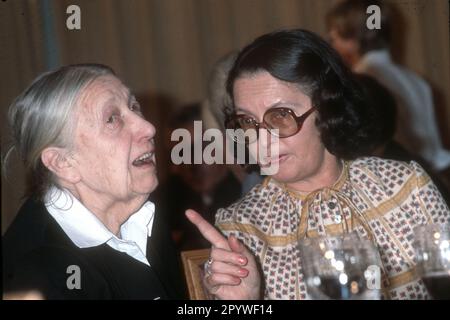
(207, 230)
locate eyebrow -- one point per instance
(131, 97)
(275, 105)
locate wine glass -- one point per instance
(432, 246)
(341, 268)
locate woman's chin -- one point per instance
(152, 187)
(148, 186)
(283, 177)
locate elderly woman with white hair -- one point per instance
(87, 229)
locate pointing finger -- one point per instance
(207, 230)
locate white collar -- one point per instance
(86, 230)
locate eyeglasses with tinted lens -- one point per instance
(280, 122)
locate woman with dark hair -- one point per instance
(295, 86)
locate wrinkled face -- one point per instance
(114, 146)
(300, 155)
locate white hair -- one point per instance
(218, 97)
(43, 116)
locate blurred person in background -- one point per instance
(368, 51)
(203, 187)
(214, 116)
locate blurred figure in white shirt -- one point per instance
(367, 51)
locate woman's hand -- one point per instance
(233, 273)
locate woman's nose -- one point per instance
(266, 135)
(144, 129)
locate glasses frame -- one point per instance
(299, 119)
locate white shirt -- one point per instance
(86, 230)
(417, 130)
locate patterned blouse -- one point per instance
(378, 198)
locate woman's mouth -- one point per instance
(145, 159)
(280, 159)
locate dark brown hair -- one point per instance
(303, 58)
(349, 18)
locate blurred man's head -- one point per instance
(348, 31)
(213, 112)
(199, 177)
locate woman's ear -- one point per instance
(57, 161)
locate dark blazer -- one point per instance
(37, 254)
